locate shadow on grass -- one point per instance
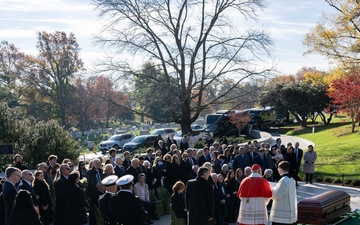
(295, 129)
(318, 175)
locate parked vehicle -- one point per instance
(116, 141)
(219, 124)
(164, 132)
(139, 142)
(195, 137)
(197, 127)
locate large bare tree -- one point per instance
(195, 44)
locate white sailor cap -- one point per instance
(109, 180)
(124, 180)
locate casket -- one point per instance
(323, 208)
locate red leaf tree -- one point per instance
(345, 94)
(239, 119)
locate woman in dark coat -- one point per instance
(82, 169)
(44, 202)
(232, 187)
(76, 201)
(173, 173)
(185, 167)
(178, 200)
(24, 211)
(291, 158)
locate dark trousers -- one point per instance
(296, 175)
(150, 207)
(309, 177)
(224, 211)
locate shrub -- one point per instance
(319, 179)
(356, 182)
(337, 181)
(199, 144)
(348, 181)
(35, 140)
(328, 179)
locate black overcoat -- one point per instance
(199, 201)
(77, 206)
(127, 209)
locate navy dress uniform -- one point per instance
(104, 200)
(125, 206)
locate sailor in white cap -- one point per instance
(109, 183)
(125, 206)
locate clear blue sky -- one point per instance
(287, 22)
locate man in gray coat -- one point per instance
(309, 163)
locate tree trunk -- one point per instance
(301, 120)
(185, 126)
(330, 118)
(353, 124)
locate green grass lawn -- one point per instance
(337, 148)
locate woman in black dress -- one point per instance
(76, 201)
(44, 201)
(24, 211)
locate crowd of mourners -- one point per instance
(65, 193)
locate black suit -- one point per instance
(276, 146)
(241, 161)
(76, 207)
(135, 172)
(9, 192)
(221, 209)
(199, 201)
(162, 149)
(203, 159)
(252, 159)
(126, 163)
(299, 154)
(149, 158)
(119, 170)
(93, 176)
(262, 162)
(127, 209)
(217, 165)
(61, 195)
(104, 206)
(192, 161)
(25, 186)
